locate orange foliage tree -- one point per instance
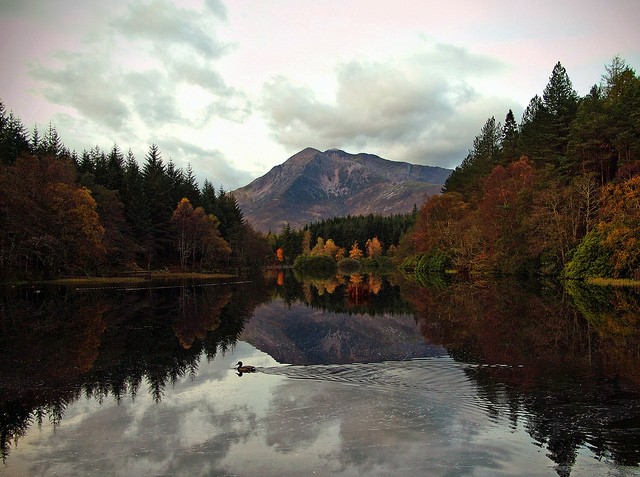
(198, 237)
(620, 225)
(49, 224)
(355, 252)
(373, 247)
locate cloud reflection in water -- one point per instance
(369, 419)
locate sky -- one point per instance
(235, 87)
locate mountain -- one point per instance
(313, 185)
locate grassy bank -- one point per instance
(138, 277)
(614, 282)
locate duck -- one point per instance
(245, 369)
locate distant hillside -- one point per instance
(314, 185)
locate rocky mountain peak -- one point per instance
(312, 185)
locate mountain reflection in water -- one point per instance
(357, 375)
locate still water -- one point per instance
(355, 376)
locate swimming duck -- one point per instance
(245, 369)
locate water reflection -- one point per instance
(382, 376)
(335, 320)
(60, 344)
(574, 382)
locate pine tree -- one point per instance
(208, 196)
(115, 169)
(482, 158)
(13, 137)
(136, 205)
(51, 143)
(157, 191)
(561, 103)
(509, 140)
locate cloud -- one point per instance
(167, 26)
(209, 164)
(147, 72)
(217, 7)
(87, 83)
(423, 107)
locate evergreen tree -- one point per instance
(85, 165)
(561, 104)
(190, 187)
(157, 191)
(208, 197)
(482, 158)
(36, 141)
(509, 140)
(622, 104)
(136, 205)
(100, 166)
(115, 169)
(13, 137)
(588, 149)
(51, 143)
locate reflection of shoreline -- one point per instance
(57, 345)
(365, 293)
(559, 368)
(597, 333)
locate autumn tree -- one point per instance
(49, 224)
(355, 252)
(198, 239)
(373, 247)
(502, 215)
(306, 242)
(619, 225)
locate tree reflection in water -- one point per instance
(559, 363)
(59, 344)
(565, 360)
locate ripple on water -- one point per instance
(429, 375)
(438, 379)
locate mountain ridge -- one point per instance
(313, 185)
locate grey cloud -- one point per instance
(151, 94)
(89, 84)
(217, 7)
(97, 82)
(422, 108)
(166, 25)
(210, 164)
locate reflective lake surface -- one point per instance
(356, 375)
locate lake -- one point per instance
(356, 375)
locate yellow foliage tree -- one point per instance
(373, 247)
(355, 251)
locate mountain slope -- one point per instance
(313, 185)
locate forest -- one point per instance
(557, 194)
(98, 213)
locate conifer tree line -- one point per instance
(558, 193)
(102, 212)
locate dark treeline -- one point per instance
(558, 193)
(104, 212)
